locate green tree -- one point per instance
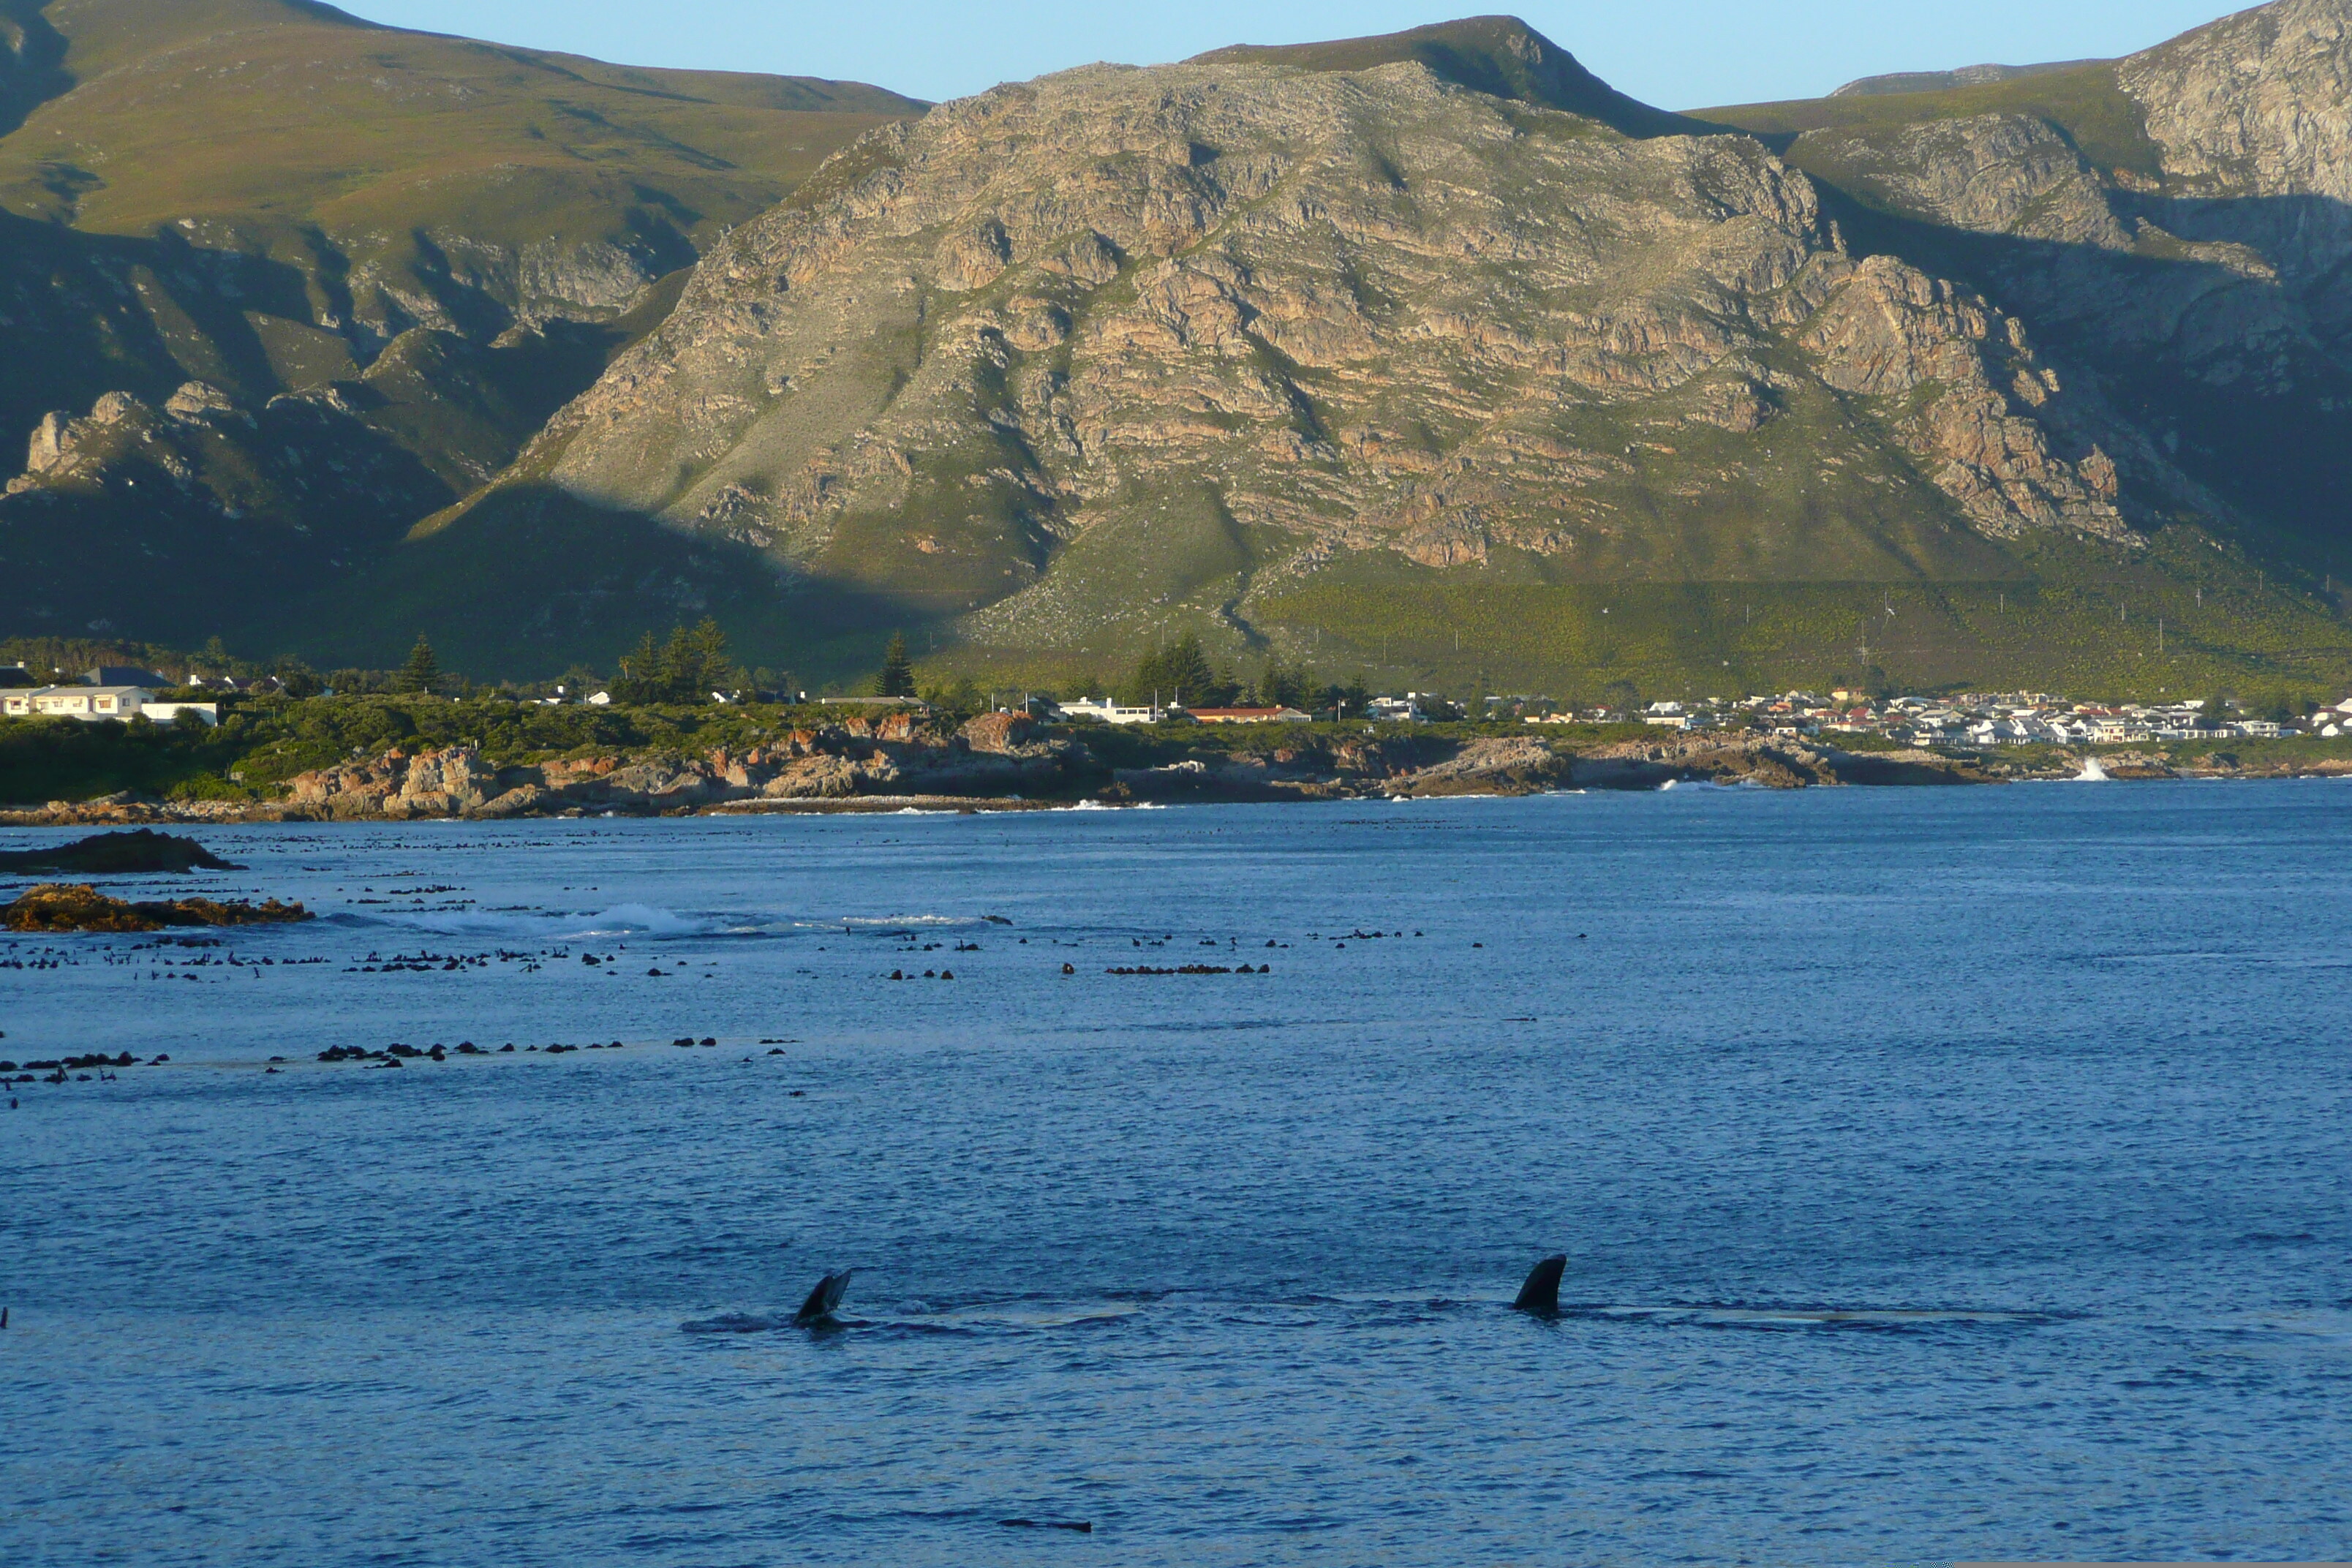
(1186, 669)
(296, 679)
(422, 673)
(695, 663)
(1176, 673)
(1291, 688)
(641, 678)
(897, 677)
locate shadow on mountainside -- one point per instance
(32, 62)
(97, 313)
(530, 580)
(2240, 381)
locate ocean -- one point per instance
(1943, 1174)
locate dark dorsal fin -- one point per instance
(823, 1298)
(1540, 1294)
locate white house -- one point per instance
(92, 703)
(1109, 712)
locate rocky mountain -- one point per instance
(1218, 343)
(2175, 223)
(1435, 356)
(388, 253)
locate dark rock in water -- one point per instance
(74, 906)
(109, 854)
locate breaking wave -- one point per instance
(632, 920)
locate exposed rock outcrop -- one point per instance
(993, 754)
(72, 905)
(141, 850)
(1890, 331)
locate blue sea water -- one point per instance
(1943, 1174)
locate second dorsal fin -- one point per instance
(1540, 1294)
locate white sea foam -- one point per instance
(621, 921)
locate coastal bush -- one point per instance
(65, 759)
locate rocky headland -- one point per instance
(1005, 762)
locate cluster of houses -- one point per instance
(108, 691)
(2016, 719)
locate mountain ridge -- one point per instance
(1288, 344)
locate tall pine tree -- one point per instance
(422, 673)
(897, 677)
(1185, 670)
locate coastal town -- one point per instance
(1973, 721)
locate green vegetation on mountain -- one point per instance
(1498, 55)
(430, 244)
(2087, 103)
(1426, 360)
(403, 178)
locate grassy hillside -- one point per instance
(2084, 102)
(265, 192)
(447, 239)
(269, 126)
(2073, 618)
(2073, 623)
(1498, 55)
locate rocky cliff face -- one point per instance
(2254, 116)
(1256, 318)
(2176, 226)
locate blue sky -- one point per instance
(1679, 54)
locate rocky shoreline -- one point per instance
(1006, 762)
